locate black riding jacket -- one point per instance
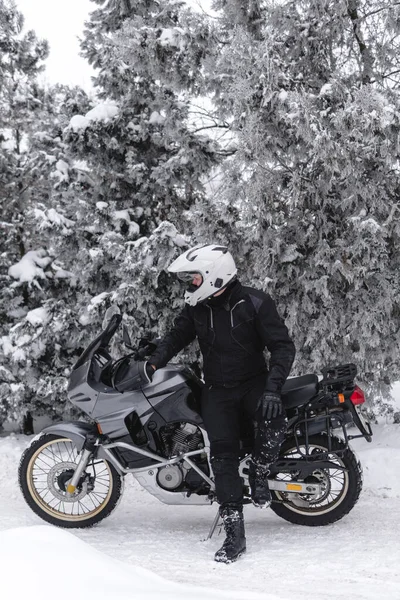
(233, 330)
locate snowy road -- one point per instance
(356, 558)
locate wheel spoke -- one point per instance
(70, 452)
(98, 495)
(53, 455)
(333, 482)
(51, 469)
(43, 461)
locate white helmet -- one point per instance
(214, 263)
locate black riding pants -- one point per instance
(227, 413)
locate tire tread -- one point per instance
(354, 468)
(91, 521)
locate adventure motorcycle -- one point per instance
(72, 474)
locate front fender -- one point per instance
(77, 431)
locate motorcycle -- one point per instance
(72, 473)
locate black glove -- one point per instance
(146, 347)
(271, 405)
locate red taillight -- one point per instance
(357, 396)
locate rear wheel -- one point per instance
(47, 466)
(340, 487)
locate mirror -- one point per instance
(110, 312)
(126, 337)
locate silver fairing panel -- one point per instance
(111, 410)
(79, 391)
(104, 404)
(167, 395)
(170, 395)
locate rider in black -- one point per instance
(233, 324)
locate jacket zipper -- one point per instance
(211, 318)
(233, 308)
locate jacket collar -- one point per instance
(235, 294)
(229, 298)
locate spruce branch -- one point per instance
(390, 74)
(216, 126)
(366, 57)
(378, 10)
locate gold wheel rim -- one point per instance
(45, 506)
(323, 509)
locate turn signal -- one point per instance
(357, 396)
(341, 398)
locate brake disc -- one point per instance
(53, 483)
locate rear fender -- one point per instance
(76, 431)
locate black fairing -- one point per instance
(181, 405)
(131, 459)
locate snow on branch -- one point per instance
(30, 268)
(38, 316)
(172, 37)
(104, 111)
(52, 218)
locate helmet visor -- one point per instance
(187, 276)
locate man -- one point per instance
(233, 325)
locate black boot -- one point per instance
(235, 542)
(258, 480)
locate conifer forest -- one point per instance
(270, 126)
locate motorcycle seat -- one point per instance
(299, 390)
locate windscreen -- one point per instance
(101, 341)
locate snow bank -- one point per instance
(356, 558)
(381, 460)
(56, 564)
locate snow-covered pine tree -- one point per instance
(311, 89)
(21, 107)
(35, 281)
(144, 161)
(155, 160)
(33, 168)
(121, 168)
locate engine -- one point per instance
(179, 438)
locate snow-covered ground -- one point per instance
(147, 550)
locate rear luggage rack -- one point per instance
(338, 377)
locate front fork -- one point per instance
(82, 464)
(87, 453)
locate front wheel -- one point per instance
(47, 466)
(340, 487)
